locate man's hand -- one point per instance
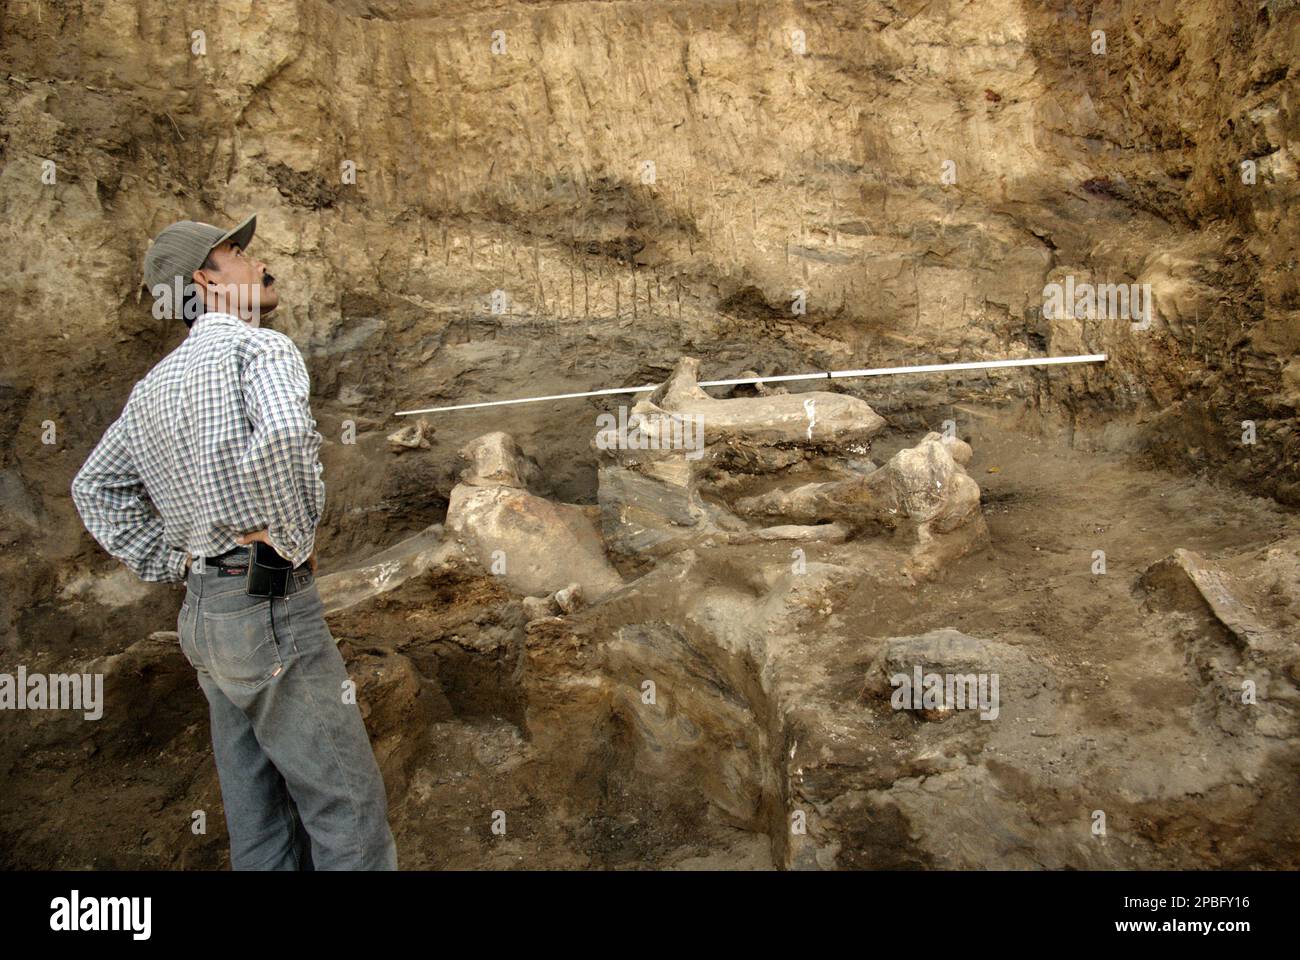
(261, 535)
(244, 539)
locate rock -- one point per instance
(388, 569)
(922, 488)
(535, 608)
(983, 673)
(813, 417)
(658, 463)
(960, 449)
(537, 546)
(1237, 617)
(495, 462)
(1214, 587)
(569, 599)
(412, 437)
(652, 510)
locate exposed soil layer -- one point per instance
(473, 709)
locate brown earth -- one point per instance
(774, 171)
(473, 709)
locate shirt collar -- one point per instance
(212, 317)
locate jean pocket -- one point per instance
(304, 618)
(241, 644)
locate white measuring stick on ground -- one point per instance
(824, 375)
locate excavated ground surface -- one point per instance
(776, 171)
(473, 710)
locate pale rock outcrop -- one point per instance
(537, 546)
(961, 450)
(413, 437)
(564, 601)
(922, 488)
(813, 417)
(670, 469)
(1237, 616)
(389, 569)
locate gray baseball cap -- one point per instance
(181, 249)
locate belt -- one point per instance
(237, 554)
(240, 553)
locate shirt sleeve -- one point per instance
(116, 509)
(281, 468)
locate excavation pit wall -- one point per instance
(765, 705)
(690, 771)
(768, 708)
(700, 758)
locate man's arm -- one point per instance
(116, 509)
(281, 468)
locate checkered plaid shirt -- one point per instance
(216, 441)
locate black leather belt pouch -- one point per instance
(268, 572)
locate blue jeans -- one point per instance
(299, 781)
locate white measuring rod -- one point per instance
(823, 375)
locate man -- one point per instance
(217, 449)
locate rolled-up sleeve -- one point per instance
(281, 468)
(116, 509)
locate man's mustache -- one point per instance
(267, 279)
